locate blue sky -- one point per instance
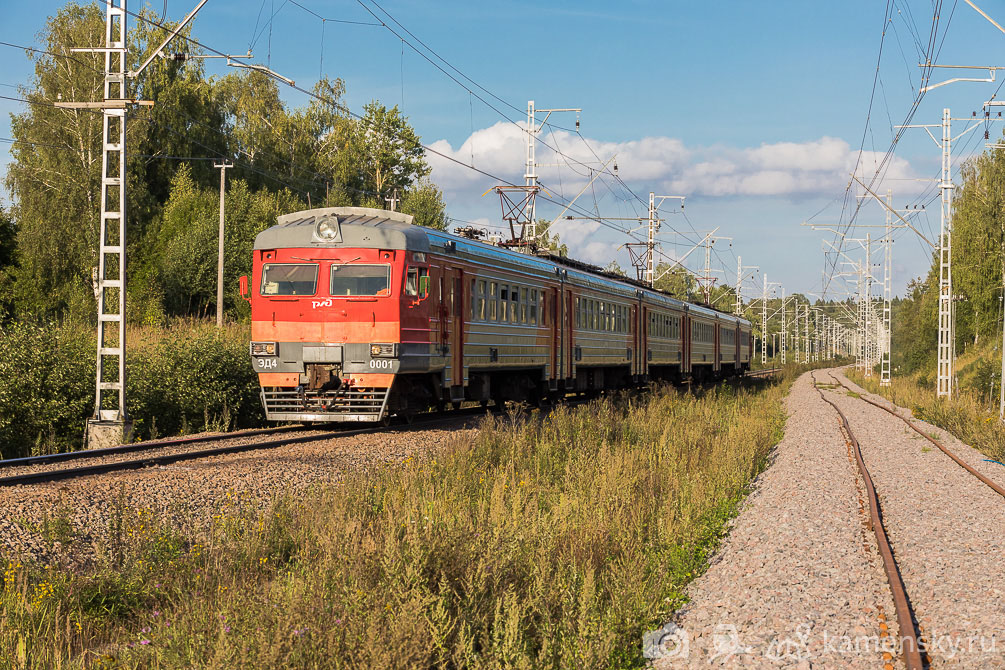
(753, 110)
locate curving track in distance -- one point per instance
(994, 487)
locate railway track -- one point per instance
(993, 486)
(763, 373)
(912, 642)
(83, 454)
(161, 459)
(49, 472)
(909, 645)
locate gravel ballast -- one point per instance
(947, 529)
(188, 494)
(798, 582)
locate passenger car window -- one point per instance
(367, 280)
(481, 300)
(289, 279)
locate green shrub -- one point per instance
(191, 379)
(184, 378)
(46, 388)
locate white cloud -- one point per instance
(795, 169)
(501, 150)
(769, 172)
(598, 253)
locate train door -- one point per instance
(555, 320)
(737, 333)
(437, 333)
(642, 327)
(685, 344)
(717, 356)
(570, 347)
(636, 339)
(442, 314)
(453, 337)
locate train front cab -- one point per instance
(329, 291)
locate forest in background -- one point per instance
(184, 374)
(285, 159)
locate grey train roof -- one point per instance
(359, 227)
(378, 228)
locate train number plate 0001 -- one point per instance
(380, 364)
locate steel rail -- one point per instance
(141, 446)
(992, 485)
(166, 459)
(911, 651)
(762, 373)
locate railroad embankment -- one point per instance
(545, 543)
(804, 579)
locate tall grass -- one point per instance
(965, 415)
(549, 542)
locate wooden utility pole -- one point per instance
(219, 257)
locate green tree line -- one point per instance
(978, 270)
(285, 159)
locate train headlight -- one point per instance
(384, 350)
(327, 228)
(264, 348)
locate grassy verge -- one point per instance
(965, 416)
(551, 543)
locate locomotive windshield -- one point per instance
(289, 279)
(361, 280)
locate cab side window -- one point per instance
(413, 283)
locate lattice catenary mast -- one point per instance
(110, 423)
